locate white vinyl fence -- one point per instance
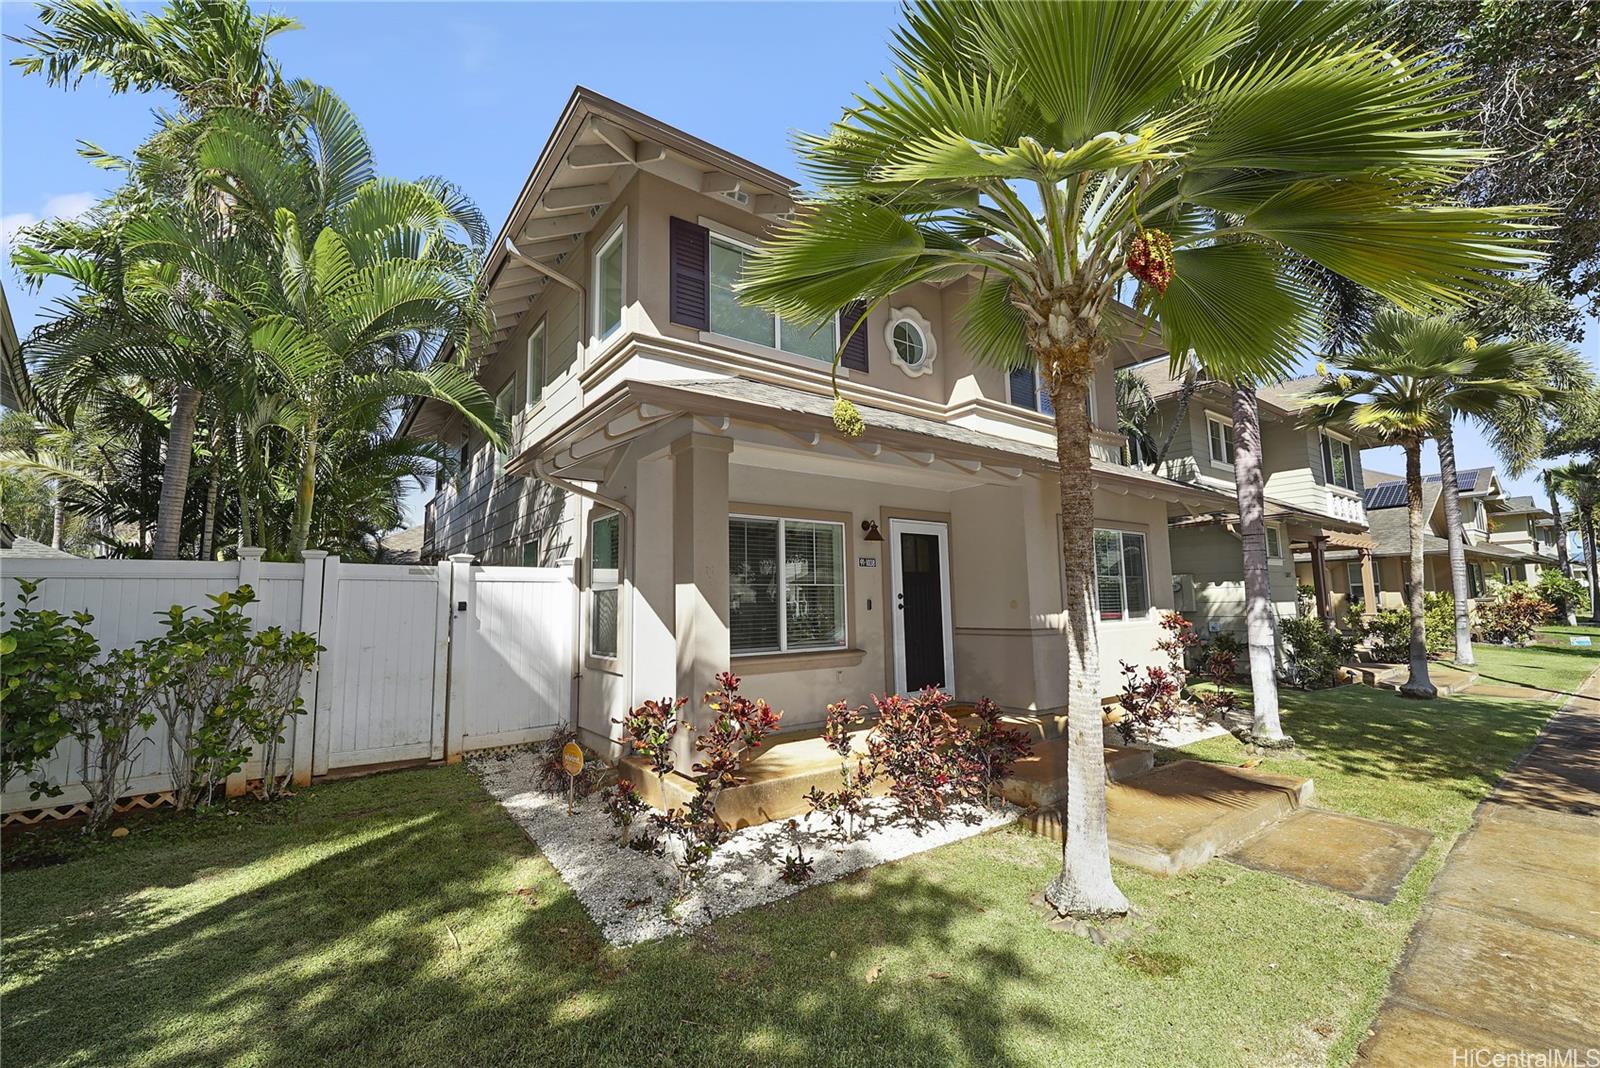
(422, 663)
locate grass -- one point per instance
(402, 919)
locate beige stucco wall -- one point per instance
(1211, 554)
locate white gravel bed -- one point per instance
(629, 893)
(1186, 729)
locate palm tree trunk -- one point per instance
(175, 474)
(1260, 628)
(1560, 529)
(208, 533)
(1586, 517)
(1084, 887)
(1418, 685)
(305, 495)
(1458, 549)
(58, 516)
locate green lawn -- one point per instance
(403, 920)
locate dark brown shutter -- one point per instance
(855, 347)
(1022, 388)
(689, 296)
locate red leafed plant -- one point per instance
(1150, 259)
(916, 744)
(1221, 663)
(1179, 640)
(738, 724)
(994, 747)
(1150, 696)
(843, 806)
(649, 730)
(624, 805)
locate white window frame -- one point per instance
(918, 322)
(1274, 533)
(615, 237)
(1227, 425)
(715, 234)
(1149, 598)
(604, 579)
(508, 412)
(1133, 452)
(1348, 448)
(535, 382)
(1355, 583)
(783, 585)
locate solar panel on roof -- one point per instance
(1386, 495)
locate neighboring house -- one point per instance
(14, 545)
(1313, 489)
(1507, 538)
(680, 448)
(400, 547)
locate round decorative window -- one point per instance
(910, 339)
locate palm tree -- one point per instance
(1412, 377)
(210, 54)
(1541, 381)
(1562, 562)
(1261, 630)
(1581, 482)
(1051, 150)
(345, 285)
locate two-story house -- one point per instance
(1507, 539)
(1313, 489)
(678, 446)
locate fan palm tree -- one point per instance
(1563, 563)
(346, 285)
(1411, 378)
(1542, 382)
(1581, 482)
(1050, 150)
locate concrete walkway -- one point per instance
(1506, 956)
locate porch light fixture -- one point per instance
(870, 528)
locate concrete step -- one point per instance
(1040, 780)
(1447, 680)
(1181, 815)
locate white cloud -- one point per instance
(68, 205)
(60, 206)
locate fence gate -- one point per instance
(380, 697)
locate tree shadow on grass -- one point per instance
(436, 935)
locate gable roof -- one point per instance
(1471, 480)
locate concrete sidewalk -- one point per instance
(1506, 956)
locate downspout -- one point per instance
(541, 469)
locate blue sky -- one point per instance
(471, 90)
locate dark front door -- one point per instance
(922, 610)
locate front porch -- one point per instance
(732, 526)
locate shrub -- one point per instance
(1150, 696)
(107, 715)
(223, 689)
(45, 658)
(1220, 665)
(1178, 642)
(843, 807)
(552, 777)
(1439, 623)
(993, 748)
(916, 746)
(1565, 596)
(1512, 614)
(1389, 631)
(1316, 651)
(623, 805)
(692, 833)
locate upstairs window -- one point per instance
(608, 283)
(1026, 390)
(1135, 453)
(1122, 585)
(1219, 433)
(759, 327)
(1338, 466)
(536, 364)
(505, 406)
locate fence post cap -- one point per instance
(462, 558)
(251, 552)
(313, 554)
